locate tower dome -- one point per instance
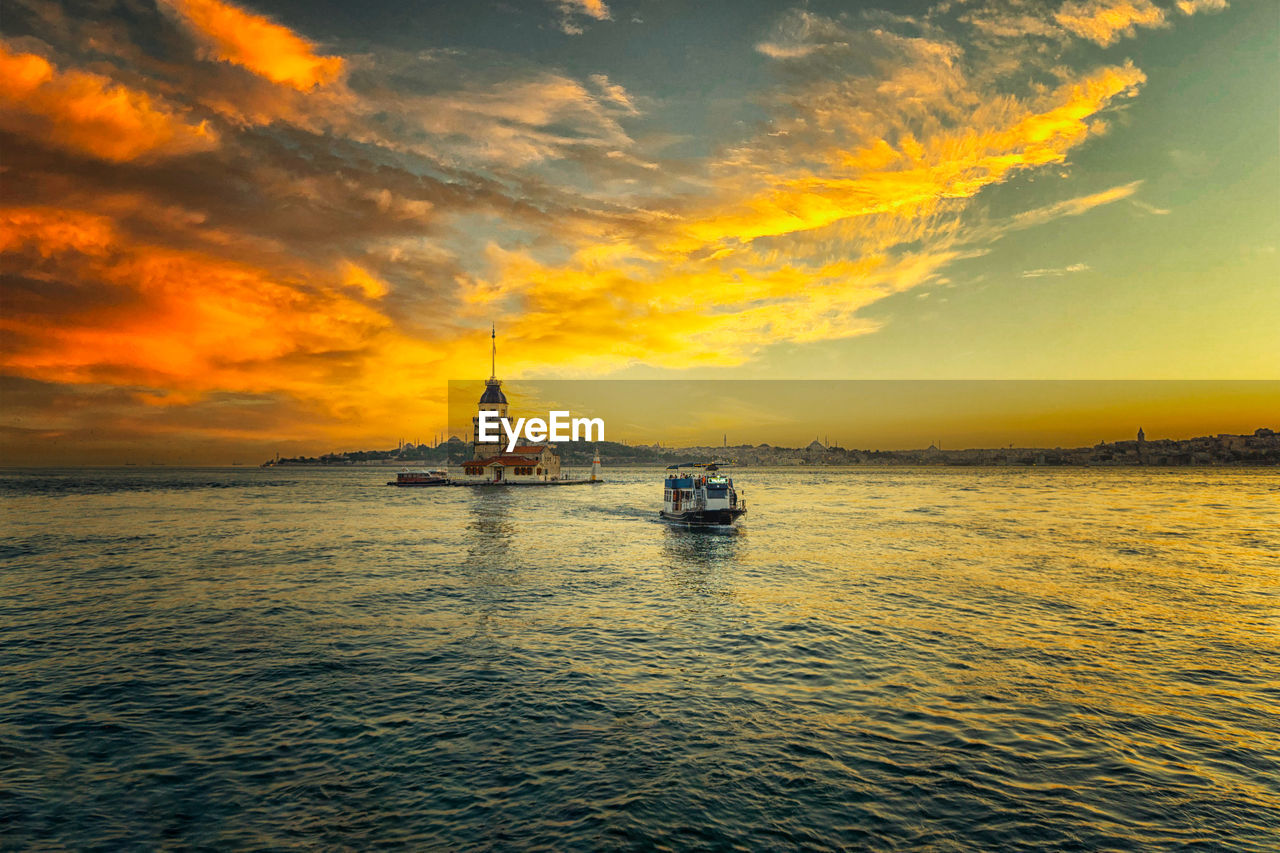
(493, 393)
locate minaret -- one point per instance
(1142, 436)
(492, 400)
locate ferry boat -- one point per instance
(421, 478)
(697, 494)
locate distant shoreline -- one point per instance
(853, 466)
(1259, 449)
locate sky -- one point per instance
(877, 414)
(230, 230)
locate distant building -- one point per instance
(524, 464)
(490, 461)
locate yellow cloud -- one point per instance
(1190, 7)
(913, 178)
(792, 254)
(365, 282)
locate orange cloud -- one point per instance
(1106, 21)
(595, 9)
(591, 8)
(231, 34)
(90, 114)
(52, 232)
(174, 318)
(90, 306)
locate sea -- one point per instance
(940, 659)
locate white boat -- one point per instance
(421, 478)
(699, 495)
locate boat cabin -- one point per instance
(407, 477)
(703, 490)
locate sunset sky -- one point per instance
(235, 229)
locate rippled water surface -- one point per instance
(885, 660)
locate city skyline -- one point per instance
(235, 228)
(886, 414)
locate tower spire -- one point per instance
(493, 351)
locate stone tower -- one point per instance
(492, 400)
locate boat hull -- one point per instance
(421, 484)
(704, 518)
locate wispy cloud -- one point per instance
(1107, 21)
(1149, 208)
(801, 33)
(519, 121)
(1055, 271)
(1074, 206)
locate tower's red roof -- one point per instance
(505, 459)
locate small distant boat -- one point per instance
(420, 478)
(698, 495)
